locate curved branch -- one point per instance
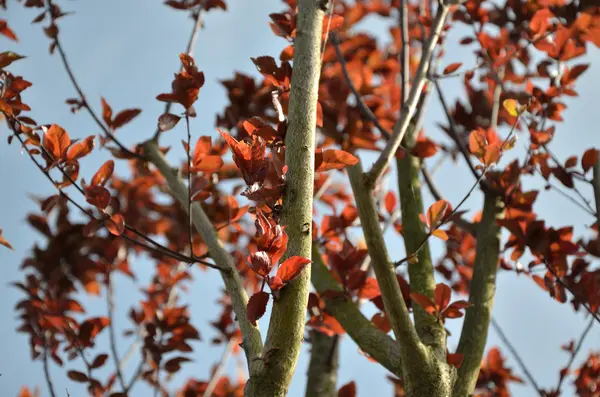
(483, 288)
(252, 342)
(409, 108)
(367, 336)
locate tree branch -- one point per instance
(110, 304)
(286, 325)
(430, 331)
(367, 336)
(410, 106)
(323, 366)
(252, 342)
(482, 290)
(425, 373)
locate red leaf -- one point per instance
(291, 268)
(424, 148)
(390, 202)
(106, 112)
(125, 117)
(436, 213)
(56, 142)
(116, 224)
(424, 302)
(333, 159)
(97, 196)
(99, 360)
(257, 305)
(6, 31)
(348, 390)
(81, 149)
(77, 376)
(381, 321)
(589, 159)
(174, 364)
(453, 67)
(455, 359)
(103, 174)
(167, 122)
(370, 289)
(441, 295)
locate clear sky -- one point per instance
(127, 51)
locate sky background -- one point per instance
(127, 52)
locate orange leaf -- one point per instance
(589, 159)
(103, 174)
(442, 296)
(116, 224)
(6, 31)
(56, 142)
(257, 305)
(348, 390)
(390, 202)
(453, 67)
(106, 112)
(291, 268)
(435, 213)
(441, 234)
(81, 149)
(125, 117)
(4, 242)
(424, 302)
(333, 159)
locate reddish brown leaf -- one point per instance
(81, 149)
(8, 57)
(103, 174)
(125, 117)
(77, 376)
(167, 122)
(333, 159)
(6, 31)
(436, 213)
(106, 112)
(260, 263)
(97, 196)
(56, 142)
(99, 360)
(453, 67)
(174, 364)
(381, 321)
(455, 359)
(116, 224)
(291, 268)
(257, 305)
(441, 295)
(589, 159)
(424, 302)
(348, 390)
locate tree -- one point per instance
(292, 147)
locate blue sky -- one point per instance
(127, 52)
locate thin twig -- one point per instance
(216, 376)
(408, 109)
(190, 51)
(405, 51)
(361, 103)
(568, 288)
(565, 371)
(84, 102)
(189, 180)
(111, 330)
(453, 131)
(47, 373)
(517, 357)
